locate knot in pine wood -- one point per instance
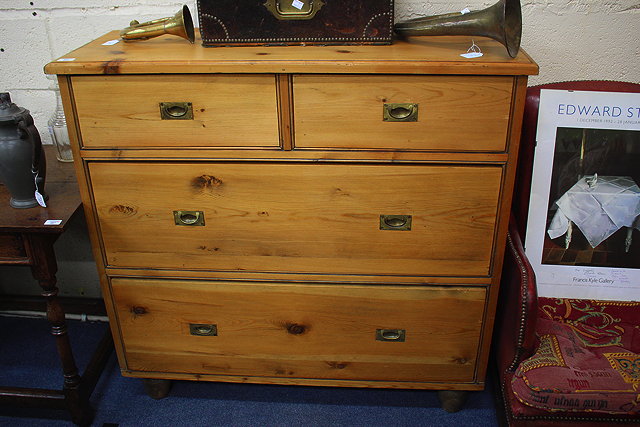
(296, 329)
(206, 182)
(137, 310)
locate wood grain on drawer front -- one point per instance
(228, 110)
(306, 217)
(455, 113)
(308, 331)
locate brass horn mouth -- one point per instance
(181, 25)
(501, 22)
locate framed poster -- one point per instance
(583, 230)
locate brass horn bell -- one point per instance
(501, 22)
(180, 24)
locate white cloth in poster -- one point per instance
(599, 209)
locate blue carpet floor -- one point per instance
(28, 359)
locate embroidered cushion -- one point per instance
(588, 359)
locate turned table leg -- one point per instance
(44, 269)
(452, 401)
(156, 388)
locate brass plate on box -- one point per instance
(296, 9)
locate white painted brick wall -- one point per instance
(570, 39)
(32, 33)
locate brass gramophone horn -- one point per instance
(501, 22)
(180, 24)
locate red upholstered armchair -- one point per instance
(561, 362)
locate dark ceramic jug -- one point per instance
(22, 161)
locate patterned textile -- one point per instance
(548, 354)
(588, 359)
(627, 365)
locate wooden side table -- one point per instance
(25, 240)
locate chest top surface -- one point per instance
(417, 55)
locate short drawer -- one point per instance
(177, 111)
(383, 333)
(452, 113)
(423, 220)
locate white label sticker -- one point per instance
(297, 4)
(66, 59)
(53, 222)
(110, 42)
(465, 11)
(472, 54)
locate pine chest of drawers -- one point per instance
(298, 215)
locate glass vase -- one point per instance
(58, 131)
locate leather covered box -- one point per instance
(295, 22)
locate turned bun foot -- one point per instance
(155, 388)
(452, 401)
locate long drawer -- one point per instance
(177, 111)
(386, 333)
(441, 113)
(305, 218)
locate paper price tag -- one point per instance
(40, 199)
(473, 52)
(110, 42)
(38, 195)
(472, 55)
(53, 222)
(297, 4)
(66, 59)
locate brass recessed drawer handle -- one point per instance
(400, 113)
(176, 111)
(203, 330)
(391, 335)
(193, 218)
(395, 222)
